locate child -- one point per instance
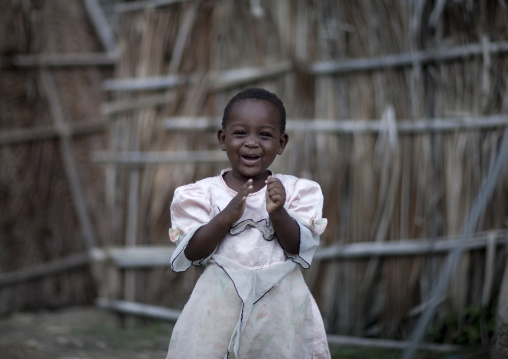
(252, 228)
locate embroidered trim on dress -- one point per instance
(266, 229)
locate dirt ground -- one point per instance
(80, 333)
(94, 333)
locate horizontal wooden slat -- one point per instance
(146, 4)
(136, 257)
(354, 126)
(405, 59)
(411, 247)
(139, 309)
(50, 132)
(133, 158)
(163, 313)
(341, 340)
(59, 60)
(219, 81)
(156, 256)
(236, 77)
(44, 269)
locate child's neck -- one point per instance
(235, 181)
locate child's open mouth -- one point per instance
(250, 159)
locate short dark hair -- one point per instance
(258, 94)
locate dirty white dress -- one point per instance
(251, 300)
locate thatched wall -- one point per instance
(379, 185)
(38, 218)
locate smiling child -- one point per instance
(253, 229)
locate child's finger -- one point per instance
(246, 188)
(275, 191)
(275, 185)
(275, 194)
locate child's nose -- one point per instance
(251, 141)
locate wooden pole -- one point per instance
(135, 158)
(144, 310)
(236, 77)
(145, 4)
(162, 313)
(68, 158)
(499, 348)
(59, 60)
(404, 59)
(45, 269)
(49, 132)
(354, 126)
(101, 24)
(478, 207)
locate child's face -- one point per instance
(252, 138)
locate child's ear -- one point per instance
(283, 141)
(221, 137)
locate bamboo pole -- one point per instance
(68, 158)
(237, 77)
(353, 126)
(143, 5)
(406, 247)
(471, 222)
(159, 256)
(50, 132)
(45, 269)
(489, 269)
(131, 228)
(500, 344)
(405, 59)
(136, 158)
(220, 80)
(162, 313)
(138, 309)
(182, 37)
(59, 60)
(101, 25)
(138, 103)
(340, 340)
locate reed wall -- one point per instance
(387, 62)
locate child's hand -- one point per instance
(234, 210)
(275, 194)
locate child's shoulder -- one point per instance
(200, 185)
(294, 179)
(204, 182)
(290, 181)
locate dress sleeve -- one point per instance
(305, 206)
(190, 210)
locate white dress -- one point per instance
(251, 300)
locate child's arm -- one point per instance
(206, 238)
(285, 227)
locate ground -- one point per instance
(80, 333)
(94, 333)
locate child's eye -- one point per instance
(239, 133)
(265, 134)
